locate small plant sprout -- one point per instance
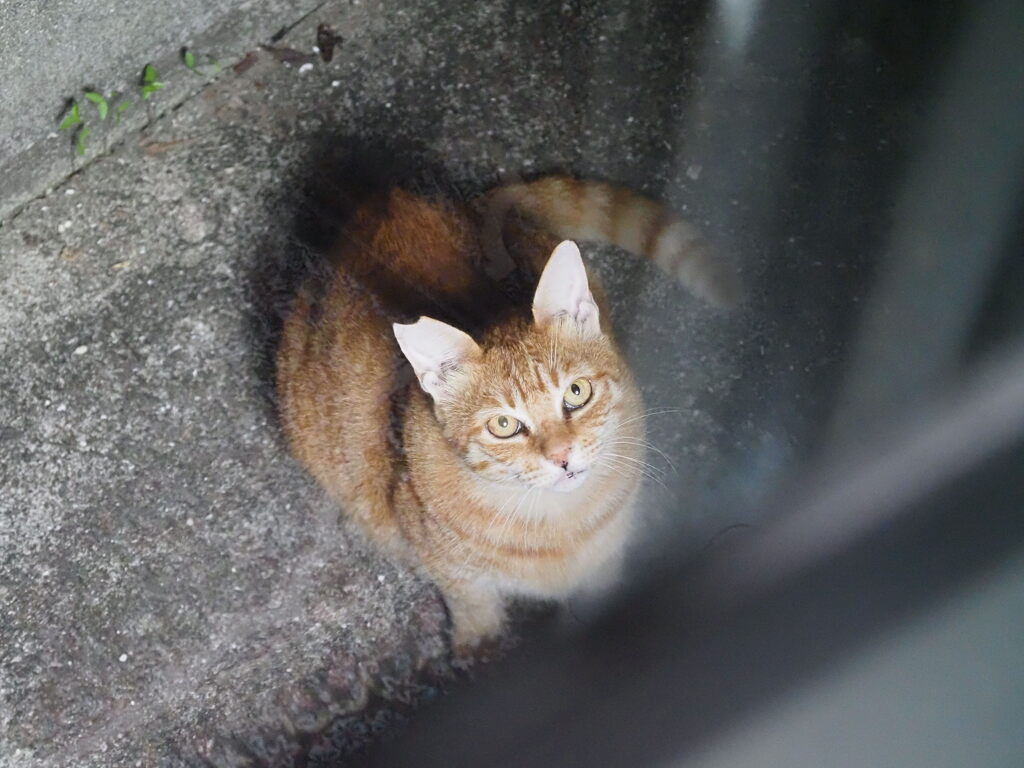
(150, 84)
(191, 60)
(82, 135)
(72, 119)
(120, 108)
(101, 103)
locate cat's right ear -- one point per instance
(563, 291)
(436, 352)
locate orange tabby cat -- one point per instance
(507, 461)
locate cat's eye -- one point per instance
(578, 393)
(504, 426)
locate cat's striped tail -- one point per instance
(594, 210)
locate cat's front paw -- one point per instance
(477, 627)
(480, 651)
(478, 618)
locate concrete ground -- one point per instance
(52, 51)
(174, 589)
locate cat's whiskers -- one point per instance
(628, 472)
(649, 413)
(633, 459)
(500, 514)
(512, 516)
(455, 544)
(614, 468)
(641, 442)
(531, 521)
(630, 464)
(504, 517)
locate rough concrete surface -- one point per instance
(52, 51)
(174, 590)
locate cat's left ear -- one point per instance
(436, 352)
(563, 291)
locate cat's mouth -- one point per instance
(570, 481)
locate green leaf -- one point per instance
(100, 102)
(190, 59)
(121, 107)
(149, 74)
(82, 135)
(73, 118)
(150, 88)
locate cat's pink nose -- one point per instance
(560, 454)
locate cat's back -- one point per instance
(340, 377)
(416, 255)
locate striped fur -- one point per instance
(484, 518)
(594, 210)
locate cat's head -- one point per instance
(544, 403)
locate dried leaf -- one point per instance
(246, 63)
(326, 39)
(159, 147)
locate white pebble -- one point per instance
(82, 349)
(69, 191)
(190, 522)
(123, 658)
(305, 68)
(335, 83)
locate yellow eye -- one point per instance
(578, 393)
(504, 426)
